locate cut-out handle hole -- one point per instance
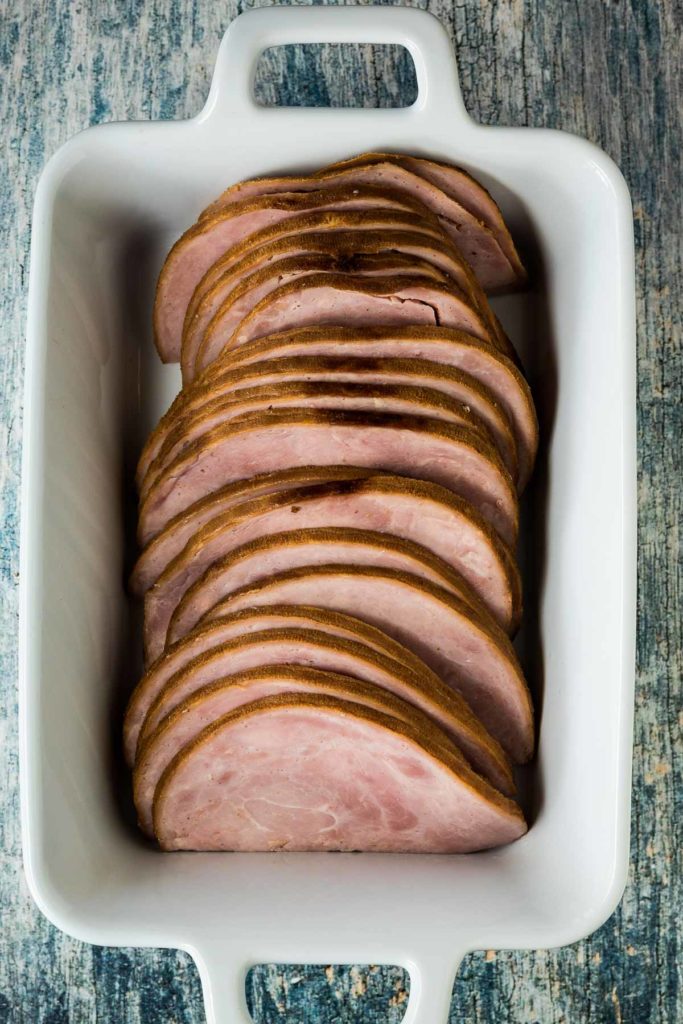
(337, 992)
(335, 75)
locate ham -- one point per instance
(294, 661)
(388, 398)
(403, 511)
(441, 453)
(475, 658)
(172, 539)
(316, 649)
(219, 311)
(210, 703)
(476, 242)
(201, 349)
(274, 553)
(205, 242)
(312, 772)
(206, 641)
(351, 300)
(320, 222)
(460, 387)
(457, 184)
(441, 345)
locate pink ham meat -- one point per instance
(438, 452)
(461, 388)
(206, 241)
(318, 222)
(175, 535)
(211, 703)
(219, 311)
(315, 649)
(475, 658)
(291, 662)
(227, 315)
(309, 772)
(459, 185)
(475, 241)
(280, 551)
(389, 398)
(350, 300)
(207, 640)
(434, 344)
(400, 510)
(215, 563)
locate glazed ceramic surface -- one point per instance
(109, 205)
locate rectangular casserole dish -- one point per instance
(108, 206)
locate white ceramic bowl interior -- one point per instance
(109, 205)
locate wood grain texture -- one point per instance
(607, 69)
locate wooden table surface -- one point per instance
(606, 69)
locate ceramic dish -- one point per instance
(109, 205)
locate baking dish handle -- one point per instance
(223, 975)
(425, 38)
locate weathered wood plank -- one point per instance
(606, 69)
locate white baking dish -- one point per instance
(108, 206)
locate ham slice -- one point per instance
(161, 551)
(320, 222)
(312, 648)
(460, 387)
(474, 239)
(274, 553)
(351, 300)
(280, 661)
(475, 658)
(311, 772)
(200, 350)
(388, 398)
(435, 344)
(205, 242)
(238, 289)
(205, 641)
(403, 511)
(442, 453)
(459, 185)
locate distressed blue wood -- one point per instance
(608, 70)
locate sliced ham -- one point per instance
(232, 295)
(474, 239)
(205, 242)
(278, 552)
(435, 344)
(172, 539)
(402, 510)
(459, 185)
(319, 222)
(428, 449)
(352, 300)
(400, 399)
(316, 649)
(202, 642)
(458, 386)
(281, 661)
(311, 772)
(201, 349)
(475, 658)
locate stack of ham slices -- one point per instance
(328, 517)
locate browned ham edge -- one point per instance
(474, 239)
(205, 644)
(287, 738)
(207, 240)
(441, 453)
(453, 348)
(475, 658)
